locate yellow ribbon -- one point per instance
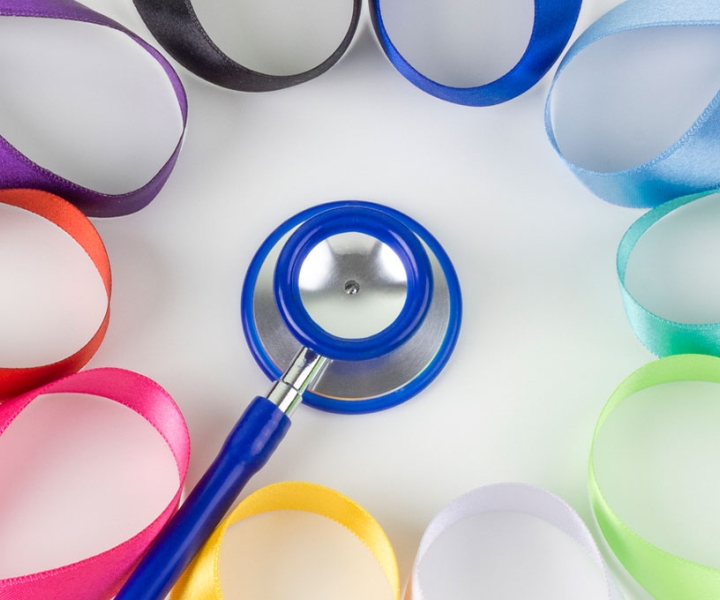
(201, 580)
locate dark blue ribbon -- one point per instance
(177, 28)
(554, 23)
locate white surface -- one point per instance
(544, 339)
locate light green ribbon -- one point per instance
(666, 576)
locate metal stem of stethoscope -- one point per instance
(425, 323)
(287, 392)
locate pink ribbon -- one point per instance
(100, 577)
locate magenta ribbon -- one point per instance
(18, 171)
(99, 577)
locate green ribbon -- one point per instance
(665, 575)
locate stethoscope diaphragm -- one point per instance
(363, 285)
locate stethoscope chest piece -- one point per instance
(351, 307)
(362, 285)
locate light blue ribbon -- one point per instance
(662, 336)
(553, 25)
(691, 164)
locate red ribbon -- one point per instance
(98, 577)
(74, 223)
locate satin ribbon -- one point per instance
(177, 28)
(687, 166)
(662, 336)
(18, 171)
(552, 27)
(201, 581)
(510, 497)
(664, 575)
(99, 577)
(14, 381)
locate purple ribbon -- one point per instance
(18, 171)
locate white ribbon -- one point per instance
(510, 497)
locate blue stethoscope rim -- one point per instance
(379, 225)
(376, 403)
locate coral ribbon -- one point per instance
(100, 576)
(14, 381)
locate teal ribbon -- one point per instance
(662, 336)
(690, 165)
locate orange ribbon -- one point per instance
(15, 381)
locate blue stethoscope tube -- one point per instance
(264, 423)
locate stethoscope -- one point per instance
(364, 306)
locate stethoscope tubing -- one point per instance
(246, 450)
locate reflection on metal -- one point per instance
(352, 285)
(286, 393)
(344, 380)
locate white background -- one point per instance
(544, 339)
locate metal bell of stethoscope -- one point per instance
(364, 305)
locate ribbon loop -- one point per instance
(202, 578)
(511, 497)
(175, 25)
(14, 381)
(664, 575)
(100, 576)
(18, 171)
(553, 25)
(689, 165)
(659, 335)
(177, 28)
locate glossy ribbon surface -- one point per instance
(63, 214)
(510, 497)
(202, 579)
(690, 164)
(662, 336)
(552, 27)
(99, 577)
(18, 171)
(665, 576)
(176, 26)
